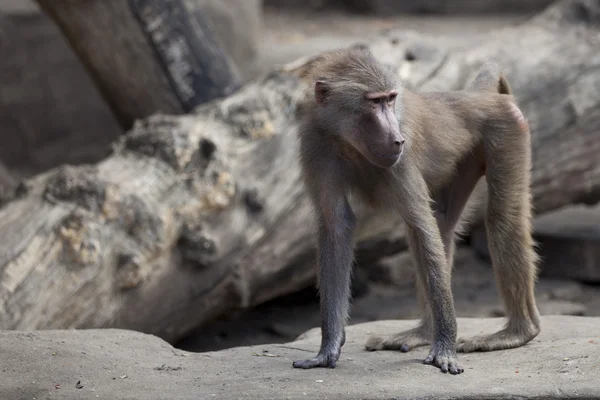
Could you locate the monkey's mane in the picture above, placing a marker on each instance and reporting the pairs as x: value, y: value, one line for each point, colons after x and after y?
x: 354, y: 66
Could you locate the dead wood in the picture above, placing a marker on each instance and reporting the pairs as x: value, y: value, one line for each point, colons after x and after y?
x: 146, y: 56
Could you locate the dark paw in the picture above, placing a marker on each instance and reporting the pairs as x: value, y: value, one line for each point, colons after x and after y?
x: 322, y: 360
x: 444, y: 358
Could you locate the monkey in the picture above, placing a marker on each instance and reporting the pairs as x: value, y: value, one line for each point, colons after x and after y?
x: 420, y: 154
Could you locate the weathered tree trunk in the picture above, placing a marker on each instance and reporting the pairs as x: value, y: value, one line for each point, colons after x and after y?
x: 47, y: 101
x: 8, y: 183
x: 194, y: 216
x: 395, y: 7
x: 146, y: 56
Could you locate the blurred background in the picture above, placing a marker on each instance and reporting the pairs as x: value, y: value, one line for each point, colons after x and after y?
x: 75, y: 78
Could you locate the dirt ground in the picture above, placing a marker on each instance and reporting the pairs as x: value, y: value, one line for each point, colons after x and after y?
x: 75, y: 364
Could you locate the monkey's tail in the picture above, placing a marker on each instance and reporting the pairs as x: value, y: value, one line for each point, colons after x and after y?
x: 503, y: 85
x: 490, y: 79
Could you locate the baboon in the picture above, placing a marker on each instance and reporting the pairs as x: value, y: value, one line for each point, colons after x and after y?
x: 420, y: 154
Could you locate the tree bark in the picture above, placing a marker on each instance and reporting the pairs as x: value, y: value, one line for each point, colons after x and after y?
x: 47, y: 100
x: 198, y: 215
x: 394, y: 7
x: 146, y: 56
x: 8, y: 184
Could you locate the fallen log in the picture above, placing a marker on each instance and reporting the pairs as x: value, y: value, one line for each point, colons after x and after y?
x: 8, y: 183
x: 194, y: 216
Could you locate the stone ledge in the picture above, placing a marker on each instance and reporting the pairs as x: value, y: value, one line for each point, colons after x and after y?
x: 562, y: 362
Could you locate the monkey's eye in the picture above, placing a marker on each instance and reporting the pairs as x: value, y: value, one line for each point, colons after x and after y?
x: 376, y: 100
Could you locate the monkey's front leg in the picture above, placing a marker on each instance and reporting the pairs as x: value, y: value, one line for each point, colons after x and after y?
x: 334, y: 269
x: 425, y: 243
x: 431, y: 266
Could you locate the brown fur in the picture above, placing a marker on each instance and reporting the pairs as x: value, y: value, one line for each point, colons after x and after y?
x: 452, y: 139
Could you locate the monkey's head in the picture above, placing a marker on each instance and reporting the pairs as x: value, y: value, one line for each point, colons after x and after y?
x: 355, y: 99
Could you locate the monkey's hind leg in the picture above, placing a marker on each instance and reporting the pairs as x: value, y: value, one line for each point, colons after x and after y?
x: 405, y: 341
x: 508, y: 225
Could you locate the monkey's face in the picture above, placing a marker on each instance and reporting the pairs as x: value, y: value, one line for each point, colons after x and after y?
x: 372, y: 128
x: 367, y: 121
x: 377, y: 131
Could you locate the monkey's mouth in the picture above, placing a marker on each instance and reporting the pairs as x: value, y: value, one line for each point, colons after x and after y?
x: 388, y: 156
x: 385, y: 160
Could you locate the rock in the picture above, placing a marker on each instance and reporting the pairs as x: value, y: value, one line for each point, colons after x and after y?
x: 568, y: 239
x: 558, y: 307
x: 561, y: 290
x: 397, y: 270
x: 119, y: 364
x: 569, y: 243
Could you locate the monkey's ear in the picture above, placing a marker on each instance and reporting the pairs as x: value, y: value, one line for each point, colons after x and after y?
x: 321, y: 91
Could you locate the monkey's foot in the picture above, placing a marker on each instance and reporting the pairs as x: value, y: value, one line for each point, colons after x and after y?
x: 444, y: 357
x: 403, y: 341
x: 323, y: 360
x: 504, y: 339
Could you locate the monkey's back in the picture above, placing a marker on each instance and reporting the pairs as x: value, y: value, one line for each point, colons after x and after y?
x: 452, y: 129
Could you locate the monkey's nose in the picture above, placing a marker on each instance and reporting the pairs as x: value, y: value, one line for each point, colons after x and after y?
x: 400, y: 142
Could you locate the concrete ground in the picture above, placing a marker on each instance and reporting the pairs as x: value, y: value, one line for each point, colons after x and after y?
x: 560, y: 363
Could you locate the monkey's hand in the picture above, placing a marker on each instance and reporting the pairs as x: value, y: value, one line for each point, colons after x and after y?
x: 444, y: 357
x: 325, y: 359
